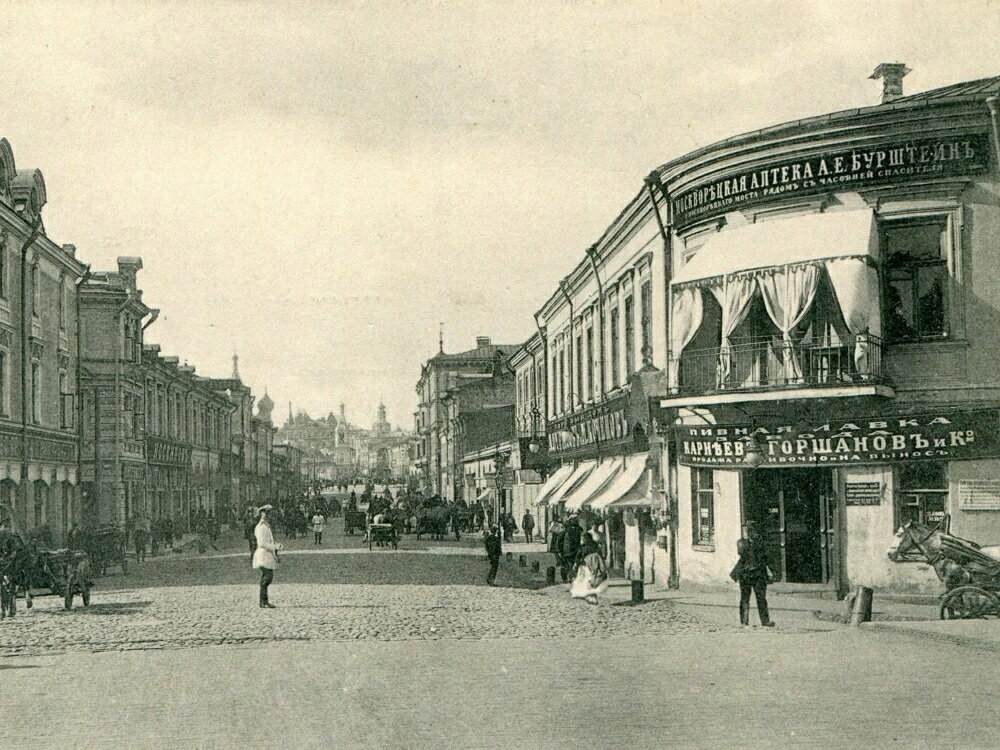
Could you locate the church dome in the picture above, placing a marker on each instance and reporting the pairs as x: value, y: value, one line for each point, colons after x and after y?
x: 266, y: 406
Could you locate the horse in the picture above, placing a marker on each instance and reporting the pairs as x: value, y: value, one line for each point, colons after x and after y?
x: 433, y: 520
x: 956, y: 561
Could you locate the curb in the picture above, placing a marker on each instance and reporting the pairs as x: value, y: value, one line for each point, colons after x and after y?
x: 932, y: 635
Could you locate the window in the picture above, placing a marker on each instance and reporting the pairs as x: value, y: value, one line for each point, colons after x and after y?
x: 562, y: 380
x: 579, y: 371
x: 629, y: 337
x: 66, y: 420
x: 645, y: 320
x: 590, y: 364
x: 921, y: 492
x: 62, y: 305
x: 36, y: 291
x: 916, y: 279
x: 702, y: 507
x: 36, y: 393
x: 128, y: 345
x: 4, y: 383
x: 615, y: 358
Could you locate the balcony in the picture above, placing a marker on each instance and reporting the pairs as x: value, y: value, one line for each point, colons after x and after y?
x: 770, y: 369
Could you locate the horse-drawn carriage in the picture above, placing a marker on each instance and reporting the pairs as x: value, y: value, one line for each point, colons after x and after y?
x: 106, y: 547
x: 354, y: 520
x: 970, y: 573
x: 383, y: 535
x: 34, y: 572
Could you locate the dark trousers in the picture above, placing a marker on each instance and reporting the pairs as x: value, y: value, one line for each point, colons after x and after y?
x: 252, y: 541
x: 318, y: 537
x: 759, y: 588
x: 494, y: 564
x: 266, y: 576
x: 527, y: 535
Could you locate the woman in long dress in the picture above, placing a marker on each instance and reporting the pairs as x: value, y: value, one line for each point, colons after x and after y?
x: 591, y: 578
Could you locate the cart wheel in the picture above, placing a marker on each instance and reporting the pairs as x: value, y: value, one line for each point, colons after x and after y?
x: 86, y: 596
x: 969, y: 603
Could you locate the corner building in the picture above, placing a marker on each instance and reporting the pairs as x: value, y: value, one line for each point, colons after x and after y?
x: 833, y: 302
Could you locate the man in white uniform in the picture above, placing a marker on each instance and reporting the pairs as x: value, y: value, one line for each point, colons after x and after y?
x: 265, y: 556
x: 318, y: 524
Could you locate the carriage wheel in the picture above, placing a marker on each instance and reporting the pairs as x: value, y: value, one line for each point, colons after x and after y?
x: 969, y: 603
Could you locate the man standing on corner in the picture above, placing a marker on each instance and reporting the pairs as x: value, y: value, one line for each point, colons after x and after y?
x: 528, y: 524
x: 265, y: 556
x: 494, y: 548
x: 752, y: 574
x: 318, y: 524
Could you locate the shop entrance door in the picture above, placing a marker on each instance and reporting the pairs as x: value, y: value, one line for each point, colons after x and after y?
x: 795, y: 510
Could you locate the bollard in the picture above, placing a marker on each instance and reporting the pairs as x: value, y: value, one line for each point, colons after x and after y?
x: 638, y: 592
x: 510, y: 556
x: 522, y: 561
x: 535, y: 566
x: 550, y: 576
x: 862, y: 606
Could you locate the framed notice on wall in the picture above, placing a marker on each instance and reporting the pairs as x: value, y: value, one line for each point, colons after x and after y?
x: 862, y: 493
x: 979, y: 494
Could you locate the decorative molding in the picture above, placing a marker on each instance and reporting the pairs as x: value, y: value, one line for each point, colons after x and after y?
x: 949, y: 191
x: 37, y: 349
x: 6, y: 337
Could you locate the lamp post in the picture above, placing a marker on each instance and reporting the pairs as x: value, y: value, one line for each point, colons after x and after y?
x: 500, y: 463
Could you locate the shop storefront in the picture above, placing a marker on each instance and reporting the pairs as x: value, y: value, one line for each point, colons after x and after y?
x: 828, y: 493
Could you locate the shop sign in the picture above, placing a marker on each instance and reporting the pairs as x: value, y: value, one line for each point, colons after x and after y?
x: 979, y: 494
x: 897, y: 161
x: 862, y: 493
x: 942, y: 436
x: 602, y: 423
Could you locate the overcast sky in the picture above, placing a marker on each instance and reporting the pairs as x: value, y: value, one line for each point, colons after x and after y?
x: 316, y: 185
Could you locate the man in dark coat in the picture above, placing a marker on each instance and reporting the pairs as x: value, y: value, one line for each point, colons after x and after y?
x: 570, y: 547
x: 493, y: 540
x: 528, y: 525
x: 752, y: 574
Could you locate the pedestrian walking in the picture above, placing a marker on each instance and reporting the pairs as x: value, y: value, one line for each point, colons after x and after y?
x: 570, y: 547
x: 528, y: 524
x: 591, y: 578
x: 752, y: 574
x: 494, y: 548
x: 509, y: 526
x: 318, y: 524
x: 265, y: 557
x: 140, y: 536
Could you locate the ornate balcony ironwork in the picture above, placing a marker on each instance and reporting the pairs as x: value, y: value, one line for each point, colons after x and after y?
x: 770, y: 364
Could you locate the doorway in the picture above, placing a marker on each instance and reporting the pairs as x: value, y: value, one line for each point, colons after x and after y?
x: 795, y: 510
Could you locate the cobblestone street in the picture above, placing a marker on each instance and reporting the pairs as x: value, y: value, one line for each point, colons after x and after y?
x: 334, y: 593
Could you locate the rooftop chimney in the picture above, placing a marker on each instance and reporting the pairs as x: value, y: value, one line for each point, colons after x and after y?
x: 482, y: 341
x: 892, y: 80
x: 128, y: 267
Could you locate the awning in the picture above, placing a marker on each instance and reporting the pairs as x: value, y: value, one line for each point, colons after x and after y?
x: 575, y: 480
x: 596, y: 481
x: 553, y: 483
x: 486, y: 495
x: 627, y: 485
x: 781, y: 242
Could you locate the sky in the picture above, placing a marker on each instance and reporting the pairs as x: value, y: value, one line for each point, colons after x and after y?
x: 316, y: 186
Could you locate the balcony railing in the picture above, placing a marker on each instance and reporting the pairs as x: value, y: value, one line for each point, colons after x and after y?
x: 773, y: 364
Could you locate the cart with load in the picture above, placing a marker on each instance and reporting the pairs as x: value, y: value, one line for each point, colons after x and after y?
x: 969, y: 572
x: 63, y: 572
x: 383, y: 535
x: 354, y: 520
x: 106, y: 547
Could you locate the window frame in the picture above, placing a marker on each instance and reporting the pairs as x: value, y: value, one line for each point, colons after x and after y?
x: 702, y: 496
x: 952, y: 218
x: 922, y: 494
x: 629, y: 307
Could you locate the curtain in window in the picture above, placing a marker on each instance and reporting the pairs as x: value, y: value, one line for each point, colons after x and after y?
x: 734, y: 299
x: 687, y: 309
x: 788, y: 294
x: 855, y: 283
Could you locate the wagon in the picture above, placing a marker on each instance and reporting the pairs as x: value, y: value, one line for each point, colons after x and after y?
x: 383, y: 535
x: 354, y: 520
x: 970, y: 573
x: 106, y: 547
x: 66, y: 573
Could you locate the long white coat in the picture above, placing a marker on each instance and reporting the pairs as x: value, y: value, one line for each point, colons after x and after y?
x: 264, y: 556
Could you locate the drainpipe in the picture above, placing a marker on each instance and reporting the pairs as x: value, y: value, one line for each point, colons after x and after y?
x: 154, y: 313
x: 563, y: 287
x: 669, y: 483
x: 992, y: 102
x: 79, y: 385
x: 36, y: 228
x: 592, y: 255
